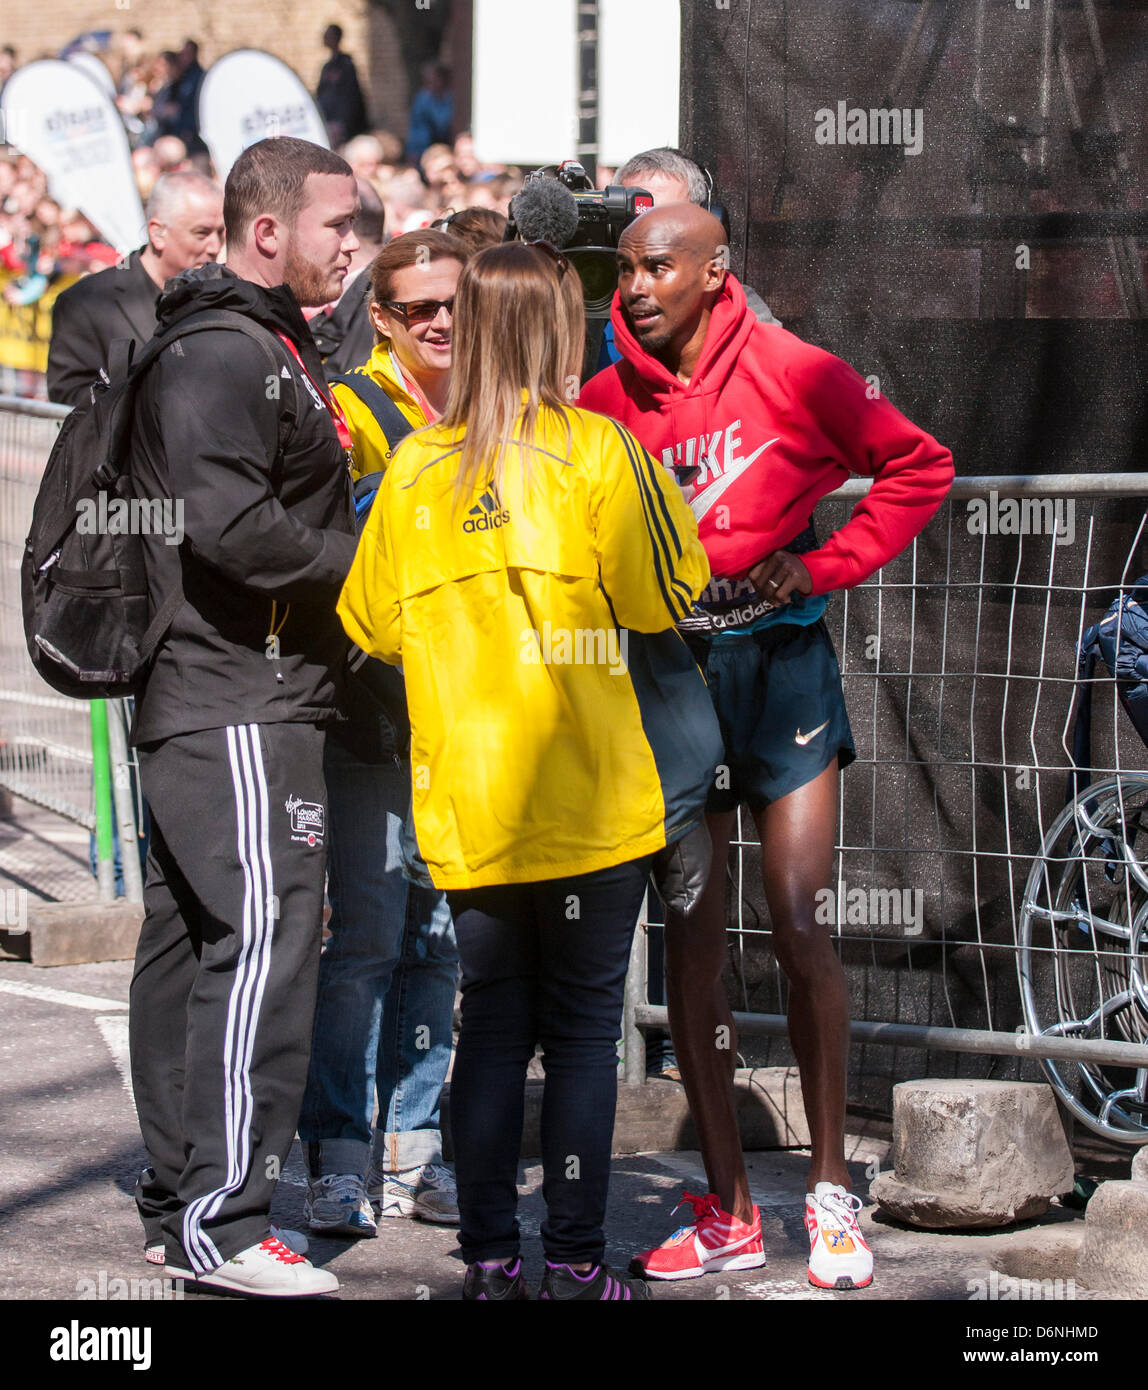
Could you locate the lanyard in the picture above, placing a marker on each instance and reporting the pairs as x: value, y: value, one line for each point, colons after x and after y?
x: 430, y: 414
x: 334, y: 409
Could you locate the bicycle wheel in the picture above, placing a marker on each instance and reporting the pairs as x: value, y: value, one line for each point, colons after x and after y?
x: 1083, y: 945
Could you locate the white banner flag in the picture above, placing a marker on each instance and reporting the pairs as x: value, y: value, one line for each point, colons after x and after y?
x: 64, y: 122
x: 97, y: 71
x: 248, y: 96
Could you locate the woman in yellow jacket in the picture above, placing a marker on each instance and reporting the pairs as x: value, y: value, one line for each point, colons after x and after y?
x: 525, y: 562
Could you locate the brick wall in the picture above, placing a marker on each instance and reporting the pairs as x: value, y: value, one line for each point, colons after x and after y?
x: 290, y: 29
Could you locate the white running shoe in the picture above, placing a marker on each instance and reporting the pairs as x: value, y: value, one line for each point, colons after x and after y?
x: 428, y: 1192
x: 293, y: 1240
x: 838, y: 1255
x: 266, y: 1270
x: 337, y: 1205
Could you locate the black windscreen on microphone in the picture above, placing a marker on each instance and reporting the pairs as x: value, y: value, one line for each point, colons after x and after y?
x: 545, y: 210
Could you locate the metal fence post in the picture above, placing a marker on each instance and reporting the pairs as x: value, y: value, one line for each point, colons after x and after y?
x: 633, y: 1039
x: 125, y: 805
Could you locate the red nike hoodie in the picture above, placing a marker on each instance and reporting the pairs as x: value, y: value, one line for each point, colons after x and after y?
x: 774, y: 424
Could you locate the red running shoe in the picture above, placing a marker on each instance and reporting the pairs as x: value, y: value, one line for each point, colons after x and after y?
x: 715, y: 1240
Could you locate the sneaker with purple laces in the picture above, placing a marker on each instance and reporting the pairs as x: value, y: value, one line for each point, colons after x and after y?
x: 602, y: 1284
x: 490, y: 1280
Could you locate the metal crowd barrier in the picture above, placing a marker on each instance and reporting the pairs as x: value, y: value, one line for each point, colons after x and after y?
x: 67, y: 756
x: 978, y: 906
x: 975, y: 914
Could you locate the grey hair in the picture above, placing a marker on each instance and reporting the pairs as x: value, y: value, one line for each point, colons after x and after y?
x: 670, y: 162
x: 171, y: 189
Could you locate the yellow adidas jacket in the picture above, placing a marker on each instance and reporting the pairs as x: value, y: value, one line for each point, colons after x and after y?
x: 370, y: 451
x: 549, y: 737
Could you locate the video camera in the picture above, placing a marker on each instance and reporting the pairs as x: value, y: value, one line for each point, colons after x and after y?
x: 603, y: 214
x: 559, y: 204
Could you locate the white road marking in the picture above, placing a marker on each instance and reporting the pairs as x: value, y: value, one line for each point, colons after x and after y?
x: 114, y: 1028
x: 95, y: 1002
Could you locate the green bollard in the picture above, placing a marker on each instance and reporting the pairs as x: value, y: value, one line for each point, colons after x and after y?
x: 102, y: 795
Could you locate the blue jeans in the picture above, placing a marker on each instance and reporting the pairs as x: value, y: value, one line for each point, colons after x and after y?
x: 387, y: 978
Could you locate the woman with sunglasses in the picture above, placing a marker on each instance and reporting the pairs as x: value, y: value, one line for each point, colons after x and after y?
x: 525, y: 562
x: 413, y: 281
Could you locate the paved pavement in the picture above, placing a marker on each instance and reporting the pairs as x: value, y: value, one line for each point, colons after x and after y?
x: 72, y: 1151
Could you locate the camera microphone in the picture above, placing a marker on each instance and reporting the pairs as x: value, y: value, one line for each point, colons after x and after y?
x: 545, y: 210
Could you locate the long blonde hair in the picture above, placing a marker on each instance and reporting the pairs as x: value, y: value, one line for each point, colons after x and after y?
x: 519, y: 327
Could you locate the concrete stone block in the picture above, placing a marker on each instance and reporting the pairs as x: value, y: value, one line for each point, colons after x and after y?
x: 1140, y: 1165
x: 75, y: 933
x: 1114, y: 1259
x: 973, y: 1154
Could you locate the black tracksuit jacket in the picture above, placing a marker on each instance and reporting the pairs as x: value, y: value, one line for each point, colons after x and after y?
x: 243, y: 445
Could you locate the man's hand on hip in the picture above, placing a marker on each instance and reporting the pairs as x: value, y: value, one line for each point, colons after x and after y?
x: 781, y: 575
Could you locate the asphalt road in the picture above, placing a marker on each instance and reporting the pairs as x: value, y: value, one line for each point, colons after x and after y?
x: 68, y: 1226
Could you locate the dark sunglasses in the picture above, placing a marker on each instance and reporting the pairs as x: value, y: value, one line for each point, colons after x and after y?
x: 561, y: 264
x: 419, y: 310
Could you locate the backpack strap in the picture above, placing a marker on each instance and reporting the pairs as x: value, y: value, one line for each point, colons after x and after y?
x: 120, y: 355
x: 231, y: 320
x: 392, y: 421
x: 227, y: 319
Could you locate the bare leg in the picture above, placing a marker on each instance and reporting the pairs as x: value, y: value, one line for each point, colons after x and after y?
x: 797, y: 835
x: 702, y: 1028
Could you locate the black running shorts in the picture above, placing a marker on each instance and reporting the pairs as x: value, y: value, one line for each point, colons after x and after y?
x: 781, y: 709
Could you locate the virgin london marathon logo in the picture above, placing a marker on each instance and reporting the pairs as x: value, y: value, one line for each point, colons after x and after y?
x: 307, y: 820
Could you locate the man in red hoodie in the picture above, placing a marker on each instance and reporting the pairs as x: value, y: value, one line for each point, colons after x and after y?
x: 759, y: 426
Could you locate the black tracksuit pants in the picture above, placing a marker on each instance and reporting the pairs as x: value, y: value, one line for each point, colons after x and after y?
x: 226, y: 971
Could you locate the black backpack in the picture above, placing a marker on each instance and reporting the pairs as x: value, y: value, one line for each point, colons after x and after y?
x: 84, y: 588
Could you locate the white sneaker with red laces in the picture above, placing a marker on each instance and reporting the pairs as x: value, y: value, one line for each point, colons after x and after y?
x: 267, y: 1270
x: 714, y: 1240
x: 293, y: 1240
x: 838, y: 1255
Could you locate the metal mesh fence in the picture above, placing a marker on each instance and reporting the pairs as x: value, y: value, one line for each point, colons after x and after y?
x: 967, y: 903
x: 46, y: 742
x: 45, y: 754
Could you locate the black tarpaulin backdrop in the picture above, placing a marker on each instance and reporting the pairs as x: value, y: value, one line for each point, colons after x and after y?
x: 994, y: 284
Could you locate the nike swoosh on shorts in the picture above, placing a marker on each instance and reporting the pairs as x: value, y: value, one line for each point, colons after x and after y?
x: 708, y: 496
x: 803, y: 739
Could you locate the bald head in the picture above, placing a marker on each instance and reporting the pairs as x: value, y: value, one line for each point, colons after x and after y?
x: 671, y: 268
x: 684, y: 227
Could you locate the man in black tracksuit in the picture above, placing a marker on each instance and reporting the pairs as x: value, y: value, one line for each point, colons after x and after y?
x: 238, y: 431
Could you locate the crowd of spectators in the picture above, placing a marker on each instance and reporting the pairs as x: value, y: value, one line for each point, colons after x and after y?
x: 434, y: 173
